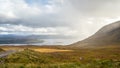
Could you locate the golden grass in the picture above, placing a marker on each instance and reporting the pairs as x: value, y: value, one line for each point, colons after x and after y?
x: 47, y: 50
x: 13, y: 48
x: 39, y: 49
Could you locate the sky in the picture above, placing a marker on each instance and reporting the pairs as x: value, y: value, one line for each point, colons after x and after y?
x: 75, y: 19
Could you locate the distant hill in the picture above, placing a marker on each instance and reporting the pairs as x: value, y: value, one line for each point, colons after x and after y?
x: 30, y: 39
x: 108, y: 35
x: 20, y: 39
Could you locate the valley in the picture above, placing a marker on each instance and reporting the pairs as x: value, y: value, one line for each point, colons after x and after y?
x: 61, y: 57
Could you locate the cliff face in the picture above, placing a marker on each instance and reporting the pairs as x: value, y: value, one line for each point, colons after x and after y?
x: 108, y: 35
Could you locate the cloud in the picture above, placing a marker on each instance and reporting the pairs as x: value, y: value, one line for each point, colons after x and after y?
x: 24, y: 30
x: 79, y: 18
x: 29, y: 14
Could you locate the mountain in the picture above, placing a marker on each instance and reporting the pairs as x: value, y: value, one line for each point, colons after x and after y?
x: 20, y: 39
x: 31, y: 39
x: 108, y: 35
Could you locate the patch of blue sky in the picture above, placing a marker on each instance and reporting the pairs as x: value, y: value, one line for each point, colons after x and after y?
x: 41, y: 2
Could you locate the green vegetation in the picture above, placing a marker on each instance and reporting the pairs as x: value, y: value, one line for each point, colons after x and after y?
x: 78, y: 58
x: 95, y: 64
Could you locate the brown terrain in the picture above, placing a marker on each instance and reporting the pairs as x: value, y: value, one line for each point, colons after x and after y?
x: 109, y: 35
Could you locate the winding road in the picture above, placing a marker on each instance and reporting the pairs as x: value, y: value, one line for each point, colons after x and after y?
x: 6, y: 53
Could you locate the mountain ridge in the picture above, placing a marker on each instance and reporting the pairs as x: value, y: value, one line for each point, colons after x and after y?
x: 107, y: 35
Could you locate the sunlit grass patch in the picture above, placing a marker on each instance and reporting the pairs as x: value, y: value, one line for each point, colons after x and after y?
x: 48, y: 50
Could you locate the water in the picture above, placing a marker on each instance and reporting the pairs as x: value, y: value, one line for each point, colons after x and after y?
x: 46, y: 42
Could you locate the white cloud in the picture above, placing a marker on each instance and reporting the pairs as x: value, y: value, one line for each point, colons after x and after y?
x: 80, y: 18
x: 21, y: 9
x: 3, y: 29
x: 20, y: 29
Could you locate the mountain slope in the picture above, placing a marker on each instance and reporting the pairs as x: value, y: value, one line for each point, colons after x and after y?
x: 108, y: 35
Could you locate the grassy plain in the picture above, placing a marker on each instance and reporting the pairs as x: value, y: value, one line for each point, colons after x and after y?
x: 61, y: 57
